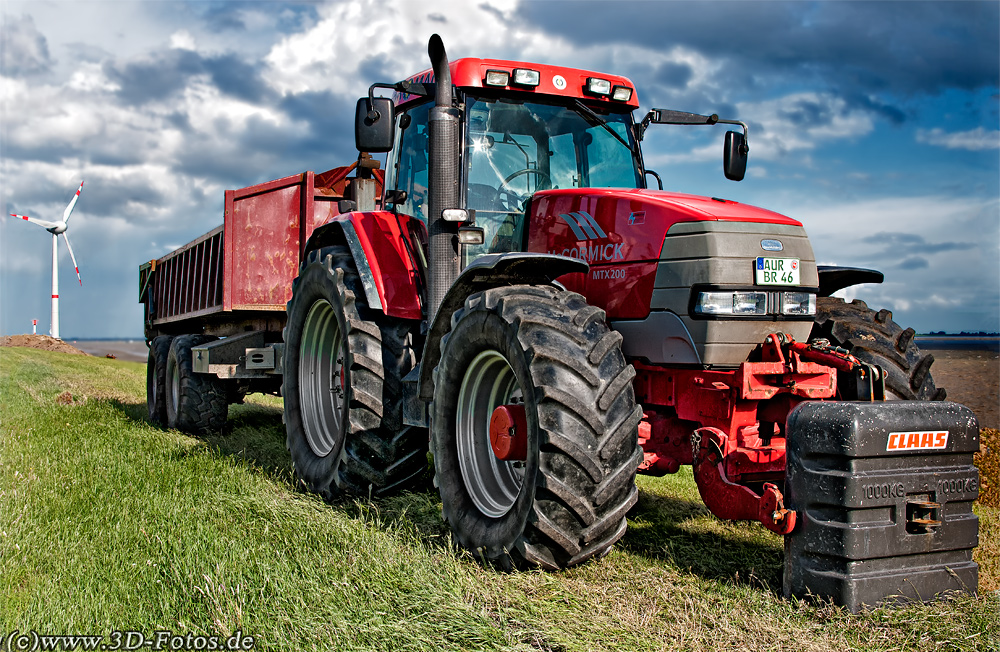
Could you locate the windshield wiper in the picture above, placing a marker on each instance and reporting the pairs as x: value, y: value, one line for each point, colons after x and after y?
x: 601, y: 121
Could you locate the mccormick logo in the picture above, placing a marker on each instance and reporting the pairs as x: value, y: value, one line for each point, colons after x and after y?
x: 911, y: 441
x: 584, y: 226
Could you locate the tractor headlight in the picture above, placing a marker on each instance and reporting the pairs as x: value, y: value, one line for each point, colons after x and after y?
x: 798, y: 303
x: 525, y: 77
x: 731, y: 303
x: 497, y: 78
x: 621, y: 93
x: 597, y: 86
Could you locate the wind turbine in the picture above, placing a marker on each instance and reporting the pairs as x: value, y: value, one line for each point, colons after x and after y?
x: 57, y: 229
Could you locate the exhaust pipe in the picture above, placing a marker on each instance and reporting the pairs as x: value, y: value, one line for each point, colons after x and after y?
x: 443, y: 180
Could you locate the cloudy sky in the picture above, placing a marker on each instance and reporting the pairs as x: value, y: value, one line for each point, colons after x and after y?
x: 873, y: 123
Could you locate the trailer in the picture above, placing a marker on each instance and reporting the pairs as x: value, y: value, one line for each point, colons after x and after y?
x: 222, y: 296
x: 513, y: 301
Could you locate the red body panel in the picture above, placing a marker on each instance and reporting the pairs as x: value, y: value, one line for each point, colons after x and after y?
x: 470, y: 73
x: 620, y: 233
x: 385, y: 239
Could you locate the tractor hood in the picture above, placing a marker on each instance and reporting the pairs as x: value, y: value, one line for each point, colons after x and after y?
x: 612, y: 225
x: 621, y: 234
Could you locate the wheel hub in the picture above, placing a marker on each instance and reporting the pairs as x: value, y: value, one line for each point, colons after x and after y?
x: 509, y: 433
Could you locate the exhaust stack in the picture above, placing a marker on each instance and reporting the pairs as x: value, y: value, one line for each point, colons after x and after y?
x: 443, y: 179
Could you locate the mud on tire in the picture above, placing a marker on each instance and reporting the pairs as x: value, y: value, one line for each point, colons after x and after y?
x: 873, y: 337
x: 567, y: 501
x: 342, y: 385
x: 195, y: 403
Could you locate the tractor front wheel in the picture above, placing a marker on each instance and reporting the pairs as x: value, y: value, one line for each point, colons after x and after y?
x: 559, y: 496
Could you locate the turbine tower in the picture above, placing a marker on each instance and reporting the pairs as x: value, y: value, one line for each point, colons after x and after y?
x: 57, y: 229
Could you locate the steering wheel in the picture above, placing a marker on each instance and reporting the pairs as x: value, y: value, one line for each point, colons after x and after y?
x: 518, y: 200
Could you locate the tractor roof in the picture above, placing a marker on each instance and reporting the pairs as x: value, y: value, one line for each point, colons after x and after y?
x: 552, y: 80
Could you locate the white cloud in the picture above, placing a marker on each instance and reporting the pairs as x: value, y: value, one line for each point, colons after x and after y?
x: 182, y: 40
x: 977, y: 139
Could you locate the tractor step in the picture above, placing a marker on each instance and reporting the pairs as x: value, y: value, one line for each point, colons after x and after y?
x: 884, y: 495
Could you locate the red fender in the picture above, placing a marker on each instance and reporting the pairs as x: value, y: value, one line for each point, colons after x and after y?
x: 384, y: 246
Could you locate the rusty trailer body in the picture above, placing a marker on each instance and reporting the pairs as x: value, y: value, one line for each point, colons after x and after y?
x: 239, y: 275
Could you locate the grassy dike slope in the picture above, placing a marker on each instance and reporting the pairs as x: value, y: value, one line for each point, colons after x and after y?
x: 109, y: 523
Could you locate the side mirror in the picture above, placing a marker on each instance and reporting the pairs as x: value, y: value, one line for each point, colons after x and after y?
x: 373, y: 127
x: 734, y: 156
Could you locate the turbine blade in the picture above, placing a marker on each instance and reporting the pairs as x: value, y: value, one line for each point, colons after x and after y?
x: 72, y: 203
x: 33, y: 220
x: 75, y: 266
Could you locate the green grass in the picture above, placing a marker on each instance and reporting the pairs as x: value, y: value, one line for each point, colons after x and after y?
x: 109, y: 523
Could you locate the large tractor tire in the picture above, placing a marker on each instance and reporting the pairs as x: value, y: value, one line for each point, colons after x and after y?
x: 873, y: 337
x: 342, y: 385
x: 195, y: 403
x: 550, y: 352
x: 156, y: 379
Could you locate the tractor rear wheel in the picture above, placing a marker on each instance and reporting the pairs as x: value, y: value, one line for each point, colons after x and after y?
x: 156, y: 379
x: 342, y: 385
x: 195, y: 403
x: 873, y: 337
x: 547, y: 354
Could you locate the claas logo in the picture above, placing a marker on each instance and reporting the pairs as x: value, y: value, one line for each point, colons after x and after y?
x: 909, y: 441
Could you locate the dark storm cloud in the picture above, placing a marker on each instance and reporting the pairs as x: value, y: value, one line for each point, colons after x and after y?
x: 165, y: 72
x: 913, y: 47
x: 155, y: 78
x: 330, y: 136
x: 101, y: 196
x: 375, y: 68
x: 234, y: 76
x: 676, y: 75
x: 227, y: 15
x: 25, y: 51
x: 898, y: 245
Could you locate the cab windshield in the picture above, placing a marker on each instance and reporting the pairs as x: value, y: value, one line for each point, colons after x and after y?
x: 514, y: 149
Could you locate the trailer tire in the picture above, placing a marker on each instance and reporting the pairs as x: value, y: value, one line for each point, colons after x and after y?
x: 156, y: 379
x: 566, y: 502
x: 873, y: 337
x: 195, y: 403
x: 343, y: 414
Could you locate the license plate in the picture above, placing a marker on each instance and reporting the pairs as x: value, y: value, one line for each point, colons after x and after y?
x: 776, y: 271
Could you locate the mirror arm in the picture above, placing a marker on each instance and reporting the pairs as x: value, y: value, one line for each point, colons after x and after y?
x: 746, y: 133
x: 374, y: 115
x: 659, y: 181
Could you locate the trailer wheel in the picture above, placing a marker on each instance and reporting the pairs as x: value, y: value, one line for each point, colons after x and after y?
x: 342, y: 385
x: 873, y: 337
x: 551, y: 354
x: 156, y: 379
x: 195, y: 403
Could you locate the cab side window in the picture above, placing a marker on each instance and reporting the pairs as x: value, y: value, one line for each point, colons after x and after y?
x: 411, y: 165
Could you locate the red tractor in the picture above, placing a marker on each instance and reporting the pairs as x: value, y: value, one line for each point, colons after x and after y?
x: 510, y: 290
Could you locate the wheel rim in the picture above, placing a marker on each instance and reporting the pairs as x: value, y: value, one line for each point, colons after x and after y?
x: 175, y: 388
x: 321, y: 379
x: 492, y: 484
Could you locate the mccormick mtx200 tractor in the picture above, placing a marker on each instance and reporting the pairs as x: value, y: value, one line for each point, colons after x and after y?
x: 511, y: 291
